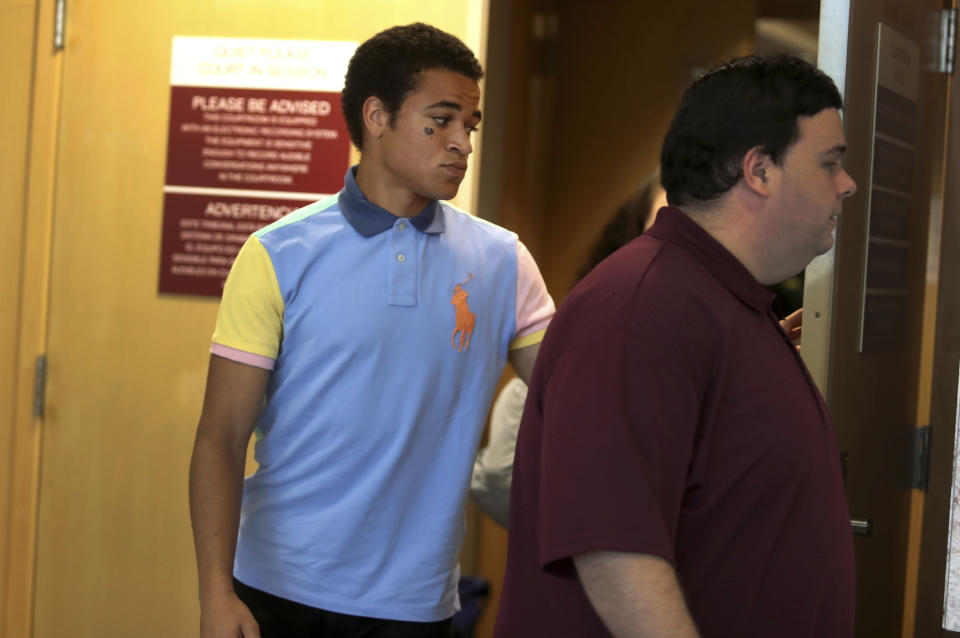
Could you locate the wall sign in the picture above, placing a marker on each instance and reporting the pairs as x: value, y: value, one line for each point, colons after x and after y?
x: 255, y: 132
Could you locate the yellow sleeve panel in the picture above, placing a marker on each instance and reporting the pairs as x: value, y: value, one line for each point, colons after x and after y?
x: 251, y: 310
x: 527, y: 340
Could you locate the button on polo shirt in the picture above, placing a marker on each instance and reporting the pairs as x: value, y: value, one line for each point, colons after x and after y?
x: 405, y: 246
x: 403, y: 276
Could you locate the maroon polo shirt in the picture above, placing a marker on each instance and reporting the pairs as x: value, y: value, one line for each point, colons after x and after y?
x: 670, y: 415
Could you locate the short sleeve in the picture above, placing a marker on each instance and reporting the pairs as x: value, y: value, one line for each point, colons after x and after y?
x: 535, y: 306
x: 620, y: 411
x: 250, y: 322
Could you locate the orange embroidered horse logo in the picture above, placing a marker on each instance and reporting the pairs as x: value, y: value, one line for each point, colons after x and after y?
x: 464, y: 319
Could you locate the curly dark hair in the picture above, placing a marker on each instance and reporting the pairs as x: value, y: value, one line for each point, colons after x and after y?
x: 386, y: 66
x: 627, y: 223
x: 747, y: 102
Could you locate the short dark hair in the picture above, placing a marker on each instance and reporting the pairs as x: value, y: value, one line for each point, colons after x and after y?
x: 626, y: 224
x: 386, y: 66
x: 747, y: 102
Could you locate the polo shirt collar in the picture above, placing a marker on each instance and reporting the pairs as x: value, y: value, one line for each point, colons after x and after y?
x: 676, y: 226
x: 368, y: 219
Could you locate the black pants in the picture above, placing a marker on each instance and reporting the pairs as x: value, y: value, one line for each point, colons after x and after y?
x: 282, y: 618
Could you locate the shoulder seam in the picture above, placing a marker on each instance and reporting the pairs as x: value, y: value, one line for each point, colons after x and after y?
x: 298, y: 215
x: 483, y: 223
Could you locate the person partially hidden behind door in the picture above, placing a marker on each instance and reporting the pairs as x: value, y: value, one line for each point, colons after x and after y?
x: 677, y: 472
x: 493, y: 468
x: 333, y: 342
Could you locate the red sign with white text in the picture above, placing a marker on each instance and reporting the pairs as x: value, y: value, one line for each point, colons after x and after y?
x: 255, y: 132
x: 232, y: 155
x: 202, y: 235
x: 256, y: 139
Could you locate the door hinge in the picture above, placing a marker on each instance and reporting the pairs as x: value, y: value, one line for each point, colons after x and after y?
x: 59, y: 25
x: 940, y: 41
x: 921, y: 458
x: 39, y: 385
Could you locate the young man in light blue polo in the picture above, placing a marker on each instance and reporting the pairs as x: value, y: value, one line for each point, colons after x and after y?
x: 362, y: 337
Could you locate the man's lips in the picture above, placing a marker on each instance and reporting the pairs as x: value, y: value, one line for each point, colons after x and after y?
x: 457, y: 168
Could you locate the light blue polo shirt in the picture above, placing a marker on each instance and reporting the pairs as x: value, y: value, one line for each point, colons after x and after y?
x: 374, y: 407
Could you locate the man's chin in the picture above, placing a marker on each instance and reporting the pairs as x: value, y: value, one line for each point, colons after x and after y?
x: 448, y: 193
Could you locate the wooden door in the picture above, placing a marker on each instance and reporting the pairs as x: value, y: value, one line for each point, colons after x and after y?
x: 16, y: 49
x: 939, y: 508
x: 875, y: 386
x: 114, y: 552
x: 940, y: 498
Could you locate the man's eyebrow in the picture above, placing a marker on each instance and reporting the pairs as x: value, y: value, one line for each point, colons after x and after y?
x: 839, y: 149
x: 446, y: 104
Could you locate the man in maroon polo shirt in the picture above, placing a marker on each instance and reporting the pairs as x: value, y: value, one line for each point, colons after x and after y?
x: 676, y: 472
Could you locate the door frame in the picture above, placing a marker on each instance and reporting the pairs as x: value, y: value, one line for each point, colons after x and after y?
x: 843, y: 46
x: 33, y: 306
x: 943, y: 404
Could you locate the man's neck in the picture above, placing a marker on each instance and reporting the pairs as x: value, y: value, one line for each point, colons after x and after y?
x: 731, y: 225
x: 381, y: 190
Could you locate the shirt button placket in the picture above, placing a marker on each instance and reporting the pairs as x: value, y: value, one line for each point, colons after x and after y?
x: 403, y: 266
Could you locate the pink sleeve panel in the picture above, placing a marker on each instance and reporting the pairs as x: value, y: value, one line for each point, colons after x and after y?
x: 248, y: 358
x: 535, y: 306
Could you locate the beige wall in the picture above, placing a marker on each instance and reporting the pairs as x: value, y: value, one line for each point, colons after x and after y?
x: 72, y: 112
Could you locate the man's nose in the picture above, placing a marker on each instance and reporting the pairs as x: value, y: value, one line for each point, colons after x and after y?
x: 459, y: 143
x: 847, y: 186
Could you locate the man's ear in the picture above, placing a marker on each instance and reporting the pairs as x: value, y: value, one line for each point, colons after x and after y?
x: 375, y: 117
x: 757, y: 166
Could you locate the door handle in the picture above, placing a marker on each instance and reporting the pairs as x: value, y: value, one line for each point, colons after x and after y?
x: 861, y: 527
